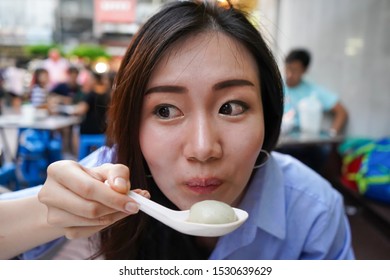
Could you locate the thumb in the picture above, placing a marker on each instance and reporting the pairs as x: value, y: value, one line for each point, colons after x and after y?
x: 120, y: 185
x: 116, y: 176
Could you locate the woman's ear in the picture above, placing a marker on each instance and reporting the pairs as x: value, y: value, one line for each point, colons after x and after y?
x: 261, y: 159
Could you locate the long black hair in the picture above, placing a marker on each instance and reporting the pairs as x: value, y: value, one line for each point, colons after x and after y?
x: 174, y: 21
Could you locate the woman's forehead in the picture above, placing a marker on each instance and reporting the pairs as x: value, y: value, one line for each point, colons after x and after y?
x: 209, y: 52
x: 203, y: 41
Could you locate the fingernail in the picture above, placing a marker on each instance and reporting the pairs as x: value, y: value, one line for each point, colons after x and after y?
x: 131, y: 207
x: 120, y: 182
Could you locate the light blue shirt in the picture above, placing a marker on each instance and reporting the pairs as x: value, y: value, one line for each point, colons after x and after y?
x: 294, y: 95
x: 293, y: 214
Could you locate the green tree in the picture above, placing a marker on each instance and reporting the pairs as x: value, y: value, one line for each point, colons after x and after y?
x: 92, y: 52
x: 39, y: 50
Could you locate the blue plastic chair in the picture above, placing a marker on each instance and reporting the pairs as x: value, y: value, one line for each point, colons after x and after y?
x: 89, y: 143
x: 36, y: 150
x: 8, y: 175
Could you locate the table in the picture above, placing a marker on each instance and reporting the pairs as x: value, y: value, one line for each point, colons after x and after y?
x: 313, y: 149
x: 51, y: 123
x: 296, y: 138
x: 46, y: 123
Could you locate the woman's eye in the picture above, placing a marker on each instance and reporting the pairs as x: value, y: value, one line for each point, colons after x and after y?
x: 167, y: 112
x: 233, y: 108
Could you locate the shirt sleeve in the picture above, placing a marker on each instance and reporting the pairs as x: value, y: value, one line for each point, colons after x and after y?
x: 44, y: 251
x: 330, y: 235
x: 20, y: 194
x: 60, y: 89
x: 327, y: 98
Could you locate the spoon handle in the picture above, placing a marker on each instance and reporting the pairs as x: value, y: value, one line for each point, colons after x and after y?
x: 153, y: 209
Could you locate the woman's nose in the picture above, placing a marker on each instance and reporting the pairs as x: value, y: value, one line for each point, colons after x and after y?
x: 203, y: 141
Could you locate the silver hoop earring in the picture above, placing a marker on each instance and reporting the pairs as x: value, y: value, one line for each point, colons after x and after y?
x: 263, y: 161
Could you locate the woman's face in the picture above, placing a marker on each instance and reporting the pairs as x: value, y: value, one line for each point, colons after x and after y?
x: 202, y: 122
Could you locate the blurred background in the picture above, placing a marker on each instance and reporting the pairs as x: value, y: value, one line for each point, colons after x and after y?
x: 349, y: 41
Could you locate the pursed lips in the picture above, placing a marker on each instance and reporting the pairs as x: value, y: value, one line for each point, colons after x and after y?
x: 203, y: 185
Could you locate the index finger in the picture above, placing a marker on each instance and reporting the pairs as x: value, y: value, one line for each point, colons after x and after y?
x: 89, y: 184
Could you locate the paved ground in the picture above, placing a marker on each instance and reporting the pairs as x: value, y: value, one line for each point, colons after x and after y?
x: 369, y: 239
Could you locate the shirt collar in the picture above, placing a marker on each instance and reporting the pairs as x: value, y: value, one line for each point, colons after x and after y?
x: 265, y: 199
x: 265, y: 203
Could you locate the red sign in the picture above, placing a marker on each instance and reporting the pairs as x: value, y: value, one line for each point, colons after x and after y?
x: 117, y: 11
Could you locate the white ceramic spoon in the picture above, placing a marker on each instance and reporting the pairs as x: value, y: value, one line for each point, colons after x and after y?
x: 178, y: 219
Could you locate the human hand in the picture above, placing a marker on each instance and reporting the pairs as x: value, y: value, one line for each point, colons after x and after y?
x: 81, y: 203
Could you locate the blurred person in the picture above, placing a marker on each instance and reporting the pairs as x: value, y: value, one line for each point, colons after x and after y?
x: 15, y: 79
x: 68, y: 92
x: 297, y: 88
x: 91, y: 106
x: 197, y: 80
x: 85, y: 75
x: 39, y: 88
x: 56, y: 66
x: 94, y: 106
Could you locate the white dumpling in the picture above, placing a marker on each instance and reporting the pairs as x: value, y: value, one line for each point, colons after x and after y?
x: 212, y: 212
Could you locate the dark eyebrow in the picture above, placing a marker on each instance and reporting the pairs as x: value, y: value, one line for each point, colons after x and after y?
x: 232, y: 83
x: 218, y: 86
x: 173, y: 89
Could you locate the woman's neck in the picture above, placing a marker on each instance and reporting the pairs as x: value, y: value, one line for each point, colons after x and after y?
x: 207, y: 243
